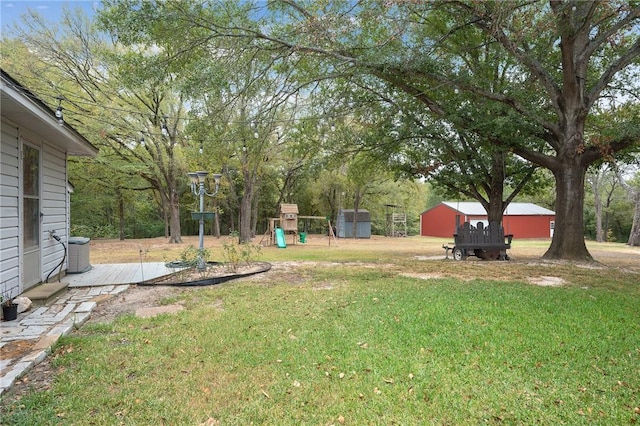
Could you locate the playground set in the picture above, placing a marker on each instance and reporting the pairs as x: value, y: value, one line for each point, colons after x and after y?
x: 289, y: 219
x: 287, y: 223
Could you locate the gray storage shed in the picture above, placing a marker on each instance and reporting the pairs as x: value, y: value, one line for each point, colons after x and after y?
x: 345, y: 223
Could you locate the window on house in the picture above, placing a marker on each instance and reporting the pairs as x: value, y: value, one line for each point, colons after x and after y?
x: 31, y: 196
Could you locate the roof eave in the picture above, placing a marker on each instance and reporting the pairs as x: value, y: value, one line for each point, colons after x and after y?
x: 25, y: 110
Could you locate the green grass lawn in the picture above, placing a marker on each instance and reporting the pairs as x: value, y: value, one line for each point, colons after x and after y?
x: 361, y: 344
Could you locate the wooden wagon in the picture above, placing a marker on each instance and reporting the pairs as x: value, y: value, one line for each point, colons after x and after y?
x: 484, y: 242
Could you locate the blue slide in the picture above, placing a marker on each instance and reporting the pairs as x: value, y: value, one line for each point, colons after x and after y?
x: 280, y: 238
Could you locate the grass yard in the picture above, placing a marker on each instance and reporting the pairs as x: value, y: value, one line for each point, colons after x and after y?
x: 363, y: 334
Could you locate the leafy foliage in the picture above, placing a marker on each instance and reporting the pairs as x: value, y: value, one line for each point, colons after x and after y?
x: 343, y: 97
x: 235, y: 253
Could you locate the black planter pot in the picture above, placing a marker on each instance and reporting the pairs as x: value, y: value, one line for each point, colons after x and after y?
x: 10, y: 312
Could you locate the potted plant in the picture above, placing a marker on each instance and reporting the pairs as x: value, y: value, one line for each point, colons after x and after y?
x: 9, y: 308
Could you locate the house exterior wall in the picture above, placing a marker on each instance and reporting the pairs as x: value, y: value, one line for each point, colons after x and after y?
x: 53, y: 206
x: 9, y: 225
x: 440, y: 221
x: 29, y: 255
x: 54, y: 209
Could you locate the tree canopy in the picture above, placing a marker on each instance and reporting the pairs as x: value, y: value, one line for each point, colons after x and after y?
x: 478, y: 96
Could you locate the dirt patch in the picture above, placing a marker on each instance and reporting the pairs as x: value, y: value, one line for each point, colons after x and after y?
x: 18, y: 348
x: 136, y: 298
x: 423, y: 276
x: 154, y: 311
x: 439, y: 257
x: 547, y: 281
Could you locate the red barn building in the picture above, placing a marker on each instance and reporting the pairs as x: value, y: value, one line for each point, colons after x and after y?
x: 523, y: 220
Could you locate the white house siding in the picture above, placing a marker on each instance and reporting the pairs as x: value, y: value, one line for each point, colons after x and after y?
x: 53, y: 199
x: 54, y: 208
x: 27, y: 120
x: 9, y: 196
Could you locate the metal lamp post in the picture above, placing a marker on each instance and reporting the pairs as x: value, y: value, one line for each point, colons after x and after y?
x: 197, y: 188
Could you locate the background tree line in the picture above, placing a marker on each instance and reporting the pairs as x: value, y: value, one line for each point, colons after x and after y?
x: 356, y: 104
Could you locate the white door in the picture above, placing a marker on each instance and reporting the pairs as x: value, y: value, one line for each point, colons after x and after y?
x: 31, y: 263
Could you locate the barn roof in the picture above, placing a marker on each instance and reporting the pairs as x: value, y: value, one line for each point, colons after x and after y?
x: 472, y: 208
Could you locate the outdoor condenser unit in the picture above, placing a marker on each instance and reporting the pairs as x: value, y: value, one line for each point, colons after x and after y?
x: 79, y: 255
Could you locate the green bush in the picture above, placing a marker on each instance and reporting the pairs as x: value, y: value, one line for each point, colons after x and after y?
x: 235, y: 253
x: 191, y: 255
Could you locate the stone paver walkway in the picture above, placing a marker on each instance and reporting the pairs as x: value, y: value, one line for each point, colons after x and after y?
x: 27, y: 340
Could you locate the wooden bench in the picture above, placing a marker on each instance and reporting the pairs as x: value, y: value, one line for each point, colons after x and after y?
x: 484, y: 242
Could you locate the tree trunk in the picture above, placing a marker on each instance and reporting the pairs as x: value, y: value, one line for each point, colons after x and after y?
x: 216, y: 222
x: 165, y: 218
x: 174, y: 203
x: 332, y: 195
x: 254, y: 217
x: 495, y: 211
x: 232, y: 221
x: 568, y: 237
x: 595, y: 182
x: 634, y: 195
x: 495, y: 208
x: 356, y: 207
x: 163, y: 202
x: 232, y: 199
x: 163, y: 211
x: 121, y: 219
x: 634, y: 235
x: 598, y: 211
x: 245, y: 218
x: 245, y: 209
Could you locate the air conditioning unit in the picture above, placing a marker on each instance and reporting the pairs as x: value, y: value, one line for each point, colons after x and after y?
x: 79, y: 250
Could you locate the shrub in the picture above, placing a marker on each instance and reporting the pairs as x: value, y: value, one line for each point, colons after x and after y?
x: 235, y: 253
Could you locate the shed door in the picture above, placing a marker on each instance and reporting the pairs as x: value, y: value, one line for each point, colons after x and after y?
x: 30, y: 216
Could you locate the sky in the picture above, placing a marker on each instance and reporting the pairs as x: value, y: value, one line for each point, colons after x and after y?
x: 11, y: 10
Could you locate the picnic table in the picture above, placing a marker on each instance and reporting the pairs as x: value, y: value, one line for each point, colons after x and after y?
x: 489, y: 243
